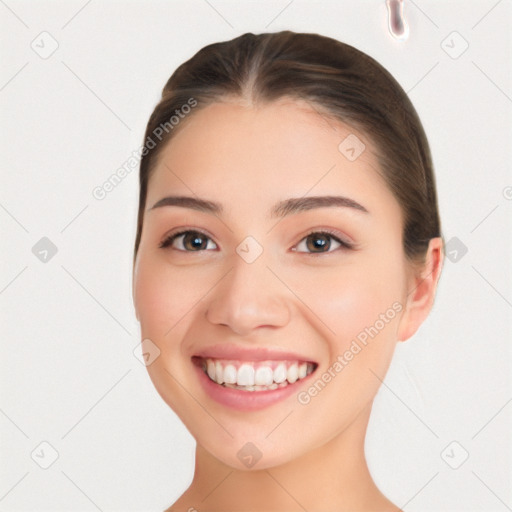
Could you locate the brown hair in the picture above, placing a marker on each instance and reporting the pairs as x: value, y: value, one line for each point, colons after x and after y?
x: 341, y: 81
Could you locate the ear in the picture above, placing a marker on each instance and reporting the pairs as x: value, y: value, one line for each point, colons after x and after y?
x: 421, y: 290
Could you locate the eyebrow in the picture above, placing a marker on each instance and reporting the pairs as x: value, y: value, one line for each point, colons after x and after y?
x: 282, y: 209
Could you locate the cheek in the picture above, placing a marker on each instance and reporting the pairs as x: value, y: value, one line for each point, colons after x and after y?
x: 360, y: 304
x: 349, y: 300
x: 163, y: 296
x: 151, y: 301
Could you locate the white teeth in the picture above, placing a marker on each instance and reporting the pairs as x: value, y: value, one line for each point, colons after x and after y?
x: 256, y: 376
x: 293, y: 373
x: 257, y: 388
x: 211, y: 369
x: 280, y: 373
x: 230, y: 374
x: 264, y: 376
x: 245, y: 376
x: 219, y: 373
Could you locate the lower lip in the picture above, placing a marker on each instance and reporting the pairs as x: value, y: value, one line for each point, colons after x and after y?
x: 246, y: 400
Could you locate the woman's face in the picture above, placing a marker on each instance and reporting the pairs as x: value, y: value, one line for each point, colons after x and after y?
x: 257, y: 293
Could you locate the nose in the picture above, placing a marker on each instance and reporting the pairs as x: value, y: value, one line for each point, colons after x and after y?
x: 249, y: 297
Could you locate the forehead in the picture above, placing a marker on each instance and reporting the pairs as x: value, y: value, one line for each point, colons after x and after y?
x: 288, y: 130
x: 236, y: 151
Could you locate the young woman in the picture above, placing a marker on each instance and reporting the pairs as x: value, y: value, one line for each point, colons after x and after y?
x: 288, y: 236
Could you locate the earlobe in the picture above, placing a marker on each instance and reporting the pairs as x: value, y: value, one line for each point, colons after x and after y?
x: 422, y: 290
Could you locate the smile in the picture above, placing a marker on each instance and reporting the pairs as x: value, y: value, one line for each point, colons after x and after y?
x: 255, y: 376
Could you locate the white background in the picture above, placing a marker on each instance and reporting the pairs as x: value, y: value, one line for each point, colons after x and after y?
x: 68, y: 373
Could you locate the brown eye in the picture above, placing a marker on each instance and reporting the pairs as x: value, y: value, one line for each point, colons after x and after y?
x: 321, y: 242
x: 190, y: 241
x: 318, y: 243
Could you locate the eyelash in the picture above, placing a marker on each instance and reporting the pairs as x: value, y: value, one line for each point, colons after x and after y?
x: 332, y: 234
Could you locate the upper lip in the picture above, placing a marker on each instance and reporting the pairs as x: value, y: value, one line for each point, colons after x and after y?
x: 233, y: 352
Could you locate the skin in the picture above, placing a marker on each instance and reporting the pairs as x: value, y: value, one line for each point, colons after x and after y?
x: 248, y: 158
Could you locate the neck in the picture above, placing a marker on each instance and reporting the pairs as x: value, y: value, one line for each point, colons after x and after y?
x: 334, y: 477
